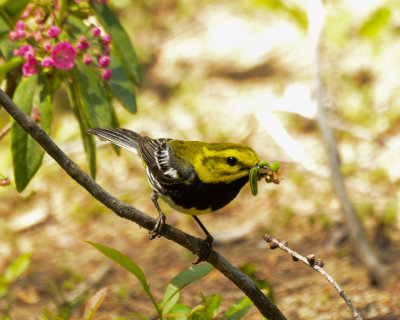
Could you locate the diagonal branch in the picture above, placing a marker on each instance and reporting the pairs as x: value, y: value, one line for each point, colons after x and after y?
x: 243, y: 282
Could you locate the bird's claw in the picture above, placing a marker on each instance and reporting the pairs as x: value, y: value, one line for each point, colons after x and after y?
x: 156, y: 231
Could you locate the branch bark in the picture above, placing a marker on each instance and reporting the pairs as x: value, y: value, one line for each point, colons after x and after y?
x: 122, y: 209
x: 377, y: 273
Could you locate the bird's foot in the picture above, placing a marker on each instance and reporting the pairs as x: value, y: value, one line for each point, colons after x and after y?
x: 156, y: 231
x: 205, y: 249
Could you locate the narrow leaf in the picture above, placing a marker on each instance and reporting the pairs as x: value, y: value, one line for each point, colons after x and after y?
x: 239, y: 309
x: 180, y: 281
x: 375, y: 23
x: 120, y: 40
x: 32, y: 95
x: 9, y: 65
x: 128, y: 265
x: 17, y: 267
x: 14, y: 7
x: 92, y: 96
x: 138, y: 315
x: 123, y: 261
x: 88, y: 141
x: 120, y: 86
x: 76, y: 24
x: 178, y: 312
x: 94, y: 303
x: 212, y: 305
x: 198, y: 313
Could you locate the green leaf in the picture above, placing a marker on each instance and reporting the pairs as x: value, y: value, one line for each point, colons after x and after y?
x: 239, y: 309
x: 92, y: 96
x: 17, y: 267
x: 31, y: 95
x: 138, y: 315
x: 88, y: 141
x: 120, y: 86
x: 76, y: 24
x: 171, y: 294
x: 297, y: 14
x: 3, y: 2
x: 124, y: 261
x: 15, y: 7
x: 128, y: 265
x: 94, y: 303
x: 212, y: 303
x: 119, y: 39
x: 275, y: 167
x: 375, y: 23
x: 9, y: 65
x: 198, y: 313
x: 4, y: 26
x: 178, y: 312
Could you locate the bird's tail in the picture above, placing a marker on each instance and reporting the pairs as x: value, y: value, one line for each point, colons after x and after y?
x: 122, y: 137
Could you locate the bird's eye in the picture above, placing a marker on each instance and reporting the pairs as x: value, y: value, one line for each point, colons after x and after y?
x: 231, y: 161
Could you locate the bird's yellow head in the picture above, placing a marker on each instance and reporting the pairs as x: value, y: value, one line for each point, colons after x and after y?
x: 217, y: 162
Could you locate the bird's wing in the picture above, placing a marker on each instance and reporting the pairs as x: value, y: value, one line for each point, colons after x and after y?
x: 157, y: 154
x: 122, y: 137
x: 162, y: 162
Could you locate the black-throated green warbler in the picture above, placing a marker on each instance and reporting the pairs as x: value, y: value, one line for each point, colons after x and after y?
x: 192, y: 177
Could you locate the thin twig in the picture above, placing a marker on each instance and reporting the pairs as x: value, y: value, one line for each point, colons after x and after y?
x: 377, y: 272
x: 5, y: 130
x: 317, y: 265
x: 122, y: 209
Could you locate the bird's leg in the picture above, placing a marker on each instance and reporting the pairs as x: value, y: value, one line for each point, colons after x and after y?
x: 206, y: 247
x: 156, y: 231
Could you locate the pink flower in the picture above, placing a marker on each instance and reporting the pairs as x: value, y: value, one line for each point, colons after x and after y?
x: 38, y: 15
x: 12, y: 35
x: 37, y: 36
x: 82, y: 44
x: 20, y: 34
x: 106, y: 75
x: 104, y: 61
x: 47, y: 62
x: 87, y: 59
x: 47, y: 46
x: 54, y: 32
x: 30, y: 67
x: 25, y: 14
x: 27, y: 52
x: 20, y: 25
x: 16, y: 52
x: 96, y: 31
x: 106, y: 39
x: 29, y: 55
x: 63, y: 55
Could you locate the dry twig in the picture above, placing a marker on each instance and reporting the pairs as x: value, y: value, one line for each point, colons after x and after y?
x: 317, y: 265
x: 5, y: 130
x: 377, y: 272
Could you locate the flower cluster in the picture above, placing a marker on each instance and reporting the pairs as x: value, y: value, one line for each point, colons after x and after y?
x: 43, y: 46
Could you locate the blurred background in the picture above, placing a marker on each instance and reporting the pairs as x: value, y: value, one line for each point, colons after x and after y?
x: 241, y: 72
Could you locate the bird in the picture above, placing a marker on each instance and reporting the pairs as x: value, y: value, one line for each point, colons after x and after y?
x: 192, y: 177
